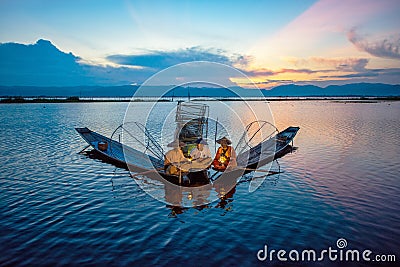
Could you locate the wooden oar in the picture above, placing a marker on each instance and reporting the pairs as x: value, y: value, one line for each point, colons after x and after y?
x: 257, y: 170
x: 147, y: 172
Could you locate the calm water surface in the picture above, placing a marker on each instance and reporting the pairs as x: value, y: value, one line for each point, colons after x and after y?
x: 59, y: 207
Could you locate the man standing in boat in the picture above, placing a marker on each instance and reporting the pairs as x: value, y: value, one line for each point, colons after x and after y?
x: 174, y: 159
x: 225, y: 156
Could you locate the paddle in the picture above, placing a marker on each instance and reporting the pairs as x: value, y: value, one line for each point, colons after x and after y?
x: 146, y: 172
x: 259, y: 170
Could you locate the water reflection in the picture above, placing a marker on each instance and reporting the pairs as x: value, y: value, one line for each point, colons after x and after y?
x: 200, y: 197
x: 224, y: 202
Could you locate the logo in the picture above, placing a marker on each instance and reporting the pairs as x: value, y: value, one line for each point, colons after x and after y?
x: 338, y: 253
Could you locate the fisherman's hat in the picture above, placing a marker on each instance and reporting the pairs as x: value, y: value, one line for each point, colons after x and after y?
x: 224, y: 140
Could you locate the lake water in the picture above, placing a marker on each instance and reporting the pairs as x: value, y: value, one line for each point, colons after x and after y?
x: 59, y: 207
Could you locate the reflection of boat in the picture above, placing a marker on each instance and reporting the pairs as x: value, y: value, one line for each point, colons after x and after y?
x: 260, y: 144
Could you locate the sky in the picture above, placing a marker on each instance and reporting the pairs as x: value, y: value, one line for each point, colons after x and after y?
x: 318, y: 42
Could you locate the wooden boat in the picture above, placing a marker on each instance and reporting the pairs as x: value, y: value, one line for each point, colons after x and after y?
x: 124, y: 156
x: 129, y: 158
x: 269, y: 150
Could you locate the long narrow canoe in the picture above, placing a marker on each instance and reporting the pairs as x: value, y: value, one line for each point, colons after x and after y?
x: 115, y: 151
x: 128, y: 157
x: 268, y: 150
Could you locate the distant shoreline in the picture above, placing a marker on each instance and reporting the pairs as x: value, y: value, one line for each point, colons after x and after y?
x: 340, y: 99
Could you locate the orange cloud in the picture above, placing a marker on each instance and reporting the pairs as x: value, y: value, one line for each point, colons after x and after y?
x: 329, y: 64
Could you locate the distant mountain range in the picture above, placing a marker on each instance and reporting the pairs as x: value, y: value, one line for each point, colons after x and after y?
x: 355, y: 89
x: 292, y: 90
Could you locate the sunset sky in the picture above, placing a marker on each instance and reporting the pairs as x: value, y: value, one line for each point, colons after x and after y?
x: 273, y: 42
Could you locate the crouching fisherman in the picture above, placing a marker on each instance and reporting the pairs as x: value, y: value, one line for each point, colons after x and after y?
x: 225, y: 156
x: 201, y: 161
x: 201, y: 152
x: 174, y: 159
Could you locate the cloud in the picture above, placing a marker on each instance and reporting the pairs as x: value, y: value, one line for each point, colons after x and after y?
x: 274, y: 82
x: 319, y: 29
x: 39, y: 63
x: 242, y: 61
x: 339, y: 70
x: 352, y: 75
x: 258, y: 72
x: 43, y: 64
x: 386, y: 48
x: 308, y: 71
x: 163, y: 59
x: 332, y: 64
x: 368, y: 73
x: 323, y: 71
x: 268, y: 72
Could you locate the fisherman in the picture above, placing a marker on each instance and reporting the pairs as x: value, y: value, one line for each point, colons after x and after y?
x: 175, y: 158
x: 225, y: 156
x: 201, y: 151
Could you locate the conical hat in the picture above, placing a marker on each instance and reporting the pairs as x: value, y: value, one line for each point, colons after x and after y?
x: 176, y: 143
x: 224, y: 140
